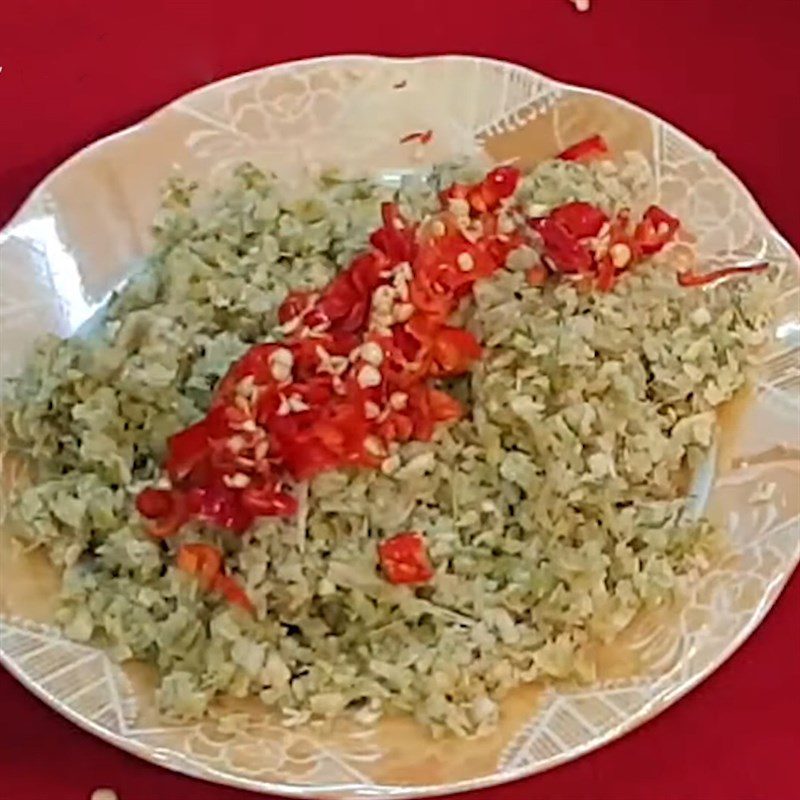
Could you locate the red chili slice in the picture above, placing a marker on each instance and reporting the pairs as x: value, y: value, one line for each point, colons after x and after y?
x: 704, y: 278
x: 404, y: 559
x: 187, y: 449
x: 232, y: 592
x: 154, y: 503
x: 269, y: 503
x: 582, y: 220
x: 594, y: 147
x: 656, y: 229
x: 201, y: 560
x: 564, y: 251
x: 453, y: 350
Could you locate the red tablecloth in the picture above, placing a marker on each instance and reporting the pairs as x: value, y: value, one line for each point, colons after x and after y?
x: 726, y: 71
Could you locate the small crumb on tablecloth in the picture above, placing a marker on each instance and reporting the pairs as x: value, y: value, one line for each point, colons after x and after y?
x: 104, y: 794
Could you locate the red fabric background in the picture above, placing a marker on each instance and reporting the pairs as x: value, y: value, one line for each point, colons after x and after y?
x: 726, y: 71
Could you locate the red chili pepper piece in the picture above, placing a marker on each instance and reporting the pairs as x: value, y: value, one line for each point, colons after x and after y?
x: 232, y: 592
x: 187, y: 449
x: 582, y: 220
x: 656, y: 229
x: 154, y: 503
x: 586, y: 150
x: 404, y: 559
x: 423, y: 137
x: 201, y: 560
x: 704, y: 278
x: 562, y: 248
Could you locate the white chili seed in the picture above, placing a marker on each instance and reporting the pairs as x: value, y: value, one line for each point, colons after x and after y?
x: 374, y: 446
x: 404, y: 269
x: 383, y: 297
x: 282, y: 356
x: 398, y: 400
x: 390, y: 465
x: 466, y: 263
x: 403, y: 312
x: 236, y: 481
x: 104, y: 793
x: 338, y: 364
x: 292, y: 325
x: 236, y: 444
x: 620, y: 255
x: 505, y: 224
x: 261, y: 450
x: 438, y: 228
x: 371, y: 410
x: 297, y: 404
x: 662, y: 229
x: 245, y: 385
x: 368, y: 377
x: 242, y: 404
x: 537, y: 209
x: 280, y: 373
x: 372, y: 353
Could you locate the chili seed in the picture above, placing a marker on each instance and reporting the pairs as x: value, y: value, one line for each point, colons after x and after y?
x: 390, y: 464
x: 368, y: 376
x: 374, y: 446
x: 297, y: 404
x: 245, y: 385
x: 236, y: 481
x: 466, y: 263
x: 403, y: 312
x: 371, y: 410
x: 236, y: 444
x: 372, y: 353
x: 620, y: 255
x: 398, y: 400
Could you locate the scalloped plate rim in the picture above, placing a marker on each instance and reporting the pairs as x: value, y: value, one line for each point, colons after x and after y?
x: 658, y: 705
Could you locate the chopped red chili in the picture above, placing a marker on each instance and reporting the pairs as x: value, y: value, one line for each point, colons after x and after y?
x: 354, y: 374
x: 655, y: 230
x: 404, y: 559
x: 704, y: 278
x: 586, y: 150
x: 352, y: 377
x: 578, y: 238
x: 423, y: 137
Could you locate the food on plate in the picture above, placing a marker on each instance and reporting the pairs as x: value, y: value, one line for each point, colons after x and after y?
x: 376, y: 450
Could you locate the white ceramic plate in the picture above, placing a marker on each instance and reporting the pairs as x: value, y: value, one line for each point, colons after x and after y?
x: 86, y: 226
